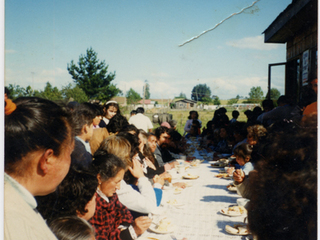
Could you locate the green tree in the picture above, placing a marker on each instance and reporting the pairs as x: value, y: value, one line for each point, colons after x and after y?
x: 75, y: 93
x: 274, y: 94
x: 216, y: 101
x: 233, y: 100
x: 147, y: 91
x: 182, y: 95
x: 49, y: 92
x: 255, y: 95
x: 200, y: 91
x: 206, y: 100
x: 92, y: 77
x: 132, y: 96
x: 17, y: 91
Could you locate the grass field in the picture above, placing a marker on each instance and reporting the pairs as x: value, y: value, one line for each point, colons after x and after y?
x: 181, y: 116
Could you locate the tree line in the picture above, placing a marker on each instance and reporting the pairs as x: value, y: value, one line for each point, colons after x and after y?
x: 93, y: 81
x: 202, y: 93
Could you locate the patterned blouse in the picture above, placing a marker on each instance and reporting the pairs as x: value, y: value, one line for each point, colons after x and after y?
x: 108, y: 217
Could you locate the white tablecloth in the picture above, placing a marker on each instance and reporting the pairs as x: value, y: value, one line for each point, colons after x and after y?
x: 199, y: 217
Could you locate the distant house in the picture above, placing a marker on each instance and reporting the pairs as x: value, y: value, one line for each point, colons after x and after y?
x: 185, y: 104
x: 122, y: 101
x: 146, y: 104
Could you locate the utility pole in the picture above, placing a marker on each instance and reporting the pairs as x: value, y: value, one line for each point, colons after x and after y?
x: 144, y: 91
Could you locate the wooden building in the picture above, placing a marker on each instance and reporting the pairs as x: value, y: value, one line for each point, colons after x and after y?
x: 185, y: 104
x: 297, y: 26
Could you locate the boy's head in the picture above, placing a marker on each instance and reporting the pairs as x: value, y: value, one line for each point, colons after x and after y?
x: 235, y: 114
x: 83, y: 116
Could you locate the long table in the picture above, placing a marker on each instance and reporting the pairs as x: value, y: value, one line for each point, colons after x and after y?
x: 199, y: 217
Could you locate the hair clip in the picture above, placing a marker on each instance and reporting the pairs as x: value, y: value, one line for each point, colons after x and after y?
x: 112, y: 101
x: 10, y: 107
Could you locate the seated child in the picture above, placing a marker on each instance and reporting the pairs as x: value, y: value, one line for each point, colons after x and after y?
x: 72, y: 228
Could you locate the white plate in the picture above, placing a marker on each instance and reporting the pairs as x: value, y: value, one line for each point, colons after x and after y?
x: 215, y: 165
x: 191, y: 176
x: 232, y: 189
x: 225, y: 211
x: 239, y: 234
x: 177, y: 190
x: 170, y: 229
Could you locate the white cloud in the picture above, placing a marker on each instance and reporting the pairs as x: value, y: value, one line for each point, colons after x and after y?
x: 256, y: 43
x: 37, y: 79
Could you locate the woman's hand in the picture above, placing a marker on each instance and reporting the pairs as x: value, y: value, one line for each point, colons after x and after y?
x: 141, y: 224
x: 238, y: 175
x: 180, y: 184
x: 137, y: 168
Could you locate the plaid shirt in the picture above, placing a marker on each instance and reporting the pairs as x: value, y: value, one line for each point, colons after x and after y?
x: 108, y: 217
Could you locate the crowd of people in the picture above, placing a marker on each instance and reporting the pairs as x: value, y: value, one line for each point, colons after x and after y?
x: 83, y: 171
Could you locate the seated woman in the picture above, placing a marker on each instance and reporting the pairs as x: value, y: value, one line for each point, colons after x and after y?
x: 112, y: 220
x: 193, y: 115
x: 72, y: 228
x: 144, y: 200
x: 39, y: 141
x: 132, y: 180
x: 223, y: 146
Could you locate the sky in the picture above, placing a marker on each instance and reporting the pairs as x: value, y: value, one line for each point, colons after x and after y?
x: 139, y: 41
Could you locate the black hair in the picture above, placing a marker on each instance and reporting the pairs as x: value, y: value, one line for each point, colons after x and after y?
x: 7, y: 91
x: 117, y: 123
x: 282, y: 100
x: 107, y: 165
x: 35, y: 124
x: 235, y: 114
x: 190, y: 113
x: 111, y: 104
x: 98, y: 109
x: 83, y: 114
x: 71, y: 228
x: 74, y: 192
x: 140, y: 110
x: 243, y: 150
x: 133, y: 112
x: 267, y: 104
x: 286, y: 181
x: 130, y: 128
x: 160, y: 130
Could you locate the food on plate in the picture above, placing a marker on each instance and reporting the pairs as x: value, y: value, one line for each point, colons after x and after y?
x: 232, y: 187
x: 195, y: 163
x: 231, y: 230
x: 163, y: 225
x: 234, y: 210
x: 172, y: 202
x: 190, y: 176
x: 218, y: 164
x: 237, y: 229
x: 177, y: 190
x: 222, y: 175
